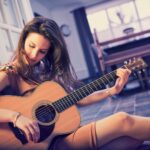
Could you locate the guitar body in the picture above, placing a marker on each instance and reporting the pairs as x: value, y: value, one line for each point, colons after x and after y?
x: 63, y: 122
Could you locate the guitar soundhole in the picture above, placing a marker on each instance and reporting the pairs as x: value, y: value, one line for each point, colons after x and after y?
x: 45, y: 113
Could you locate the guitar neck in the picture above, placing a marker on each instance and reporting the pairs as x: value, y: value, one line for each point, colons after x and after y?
x: 77, y: 95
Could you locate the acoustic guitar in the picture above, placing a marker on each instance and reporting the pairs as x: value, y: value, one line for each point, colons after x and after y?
x: 53, y: 108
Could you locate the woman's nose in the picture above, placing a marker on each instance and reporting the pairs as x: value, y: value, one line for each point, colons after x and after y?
x: 34, y: 54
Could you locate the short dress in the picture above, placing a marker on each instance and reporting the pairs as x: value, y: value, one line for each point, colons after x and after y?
x: 84, y: 138
x: 17, y: 85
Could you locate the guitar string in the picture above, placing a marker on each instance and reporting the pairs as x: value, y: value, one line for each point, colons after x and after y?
x: 61, y: 106
x: 87, y: 87
x: 103, y: 79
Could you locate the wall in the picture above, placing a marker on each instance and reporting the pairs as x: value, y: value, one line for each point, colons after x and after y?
x: 64, y: 16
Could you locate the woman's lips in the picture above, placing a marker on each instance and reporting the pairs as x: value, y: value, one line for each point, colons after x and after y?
x: 30, y: 61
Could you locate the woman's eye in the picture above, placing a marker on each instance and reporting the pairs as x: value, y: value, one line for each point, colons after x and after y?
x: 32, y: 46
x: 43, y: 52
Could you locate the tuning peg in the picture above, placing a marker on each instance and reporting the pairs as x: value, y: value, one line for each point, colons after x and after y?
x: 139, y: 71
x: 133, y: 68
x: 134, y: 58
x: 144, y: 70
x: 125, y: 62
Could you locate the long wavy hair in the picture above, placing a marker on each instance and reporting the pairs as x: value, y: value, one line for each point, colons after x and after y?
x: 57, y: 64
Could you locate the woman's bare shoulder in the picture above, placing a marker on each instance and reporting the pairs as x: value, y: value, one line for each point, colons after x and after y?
x: 4, y: 81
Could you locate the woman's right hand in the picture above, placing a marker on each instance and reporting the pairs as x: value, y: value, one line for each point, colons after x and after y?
x: 29, y: 127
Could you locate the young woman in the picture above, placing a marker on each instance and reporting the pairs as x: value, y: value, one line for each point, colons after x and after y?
x: 41, y: 56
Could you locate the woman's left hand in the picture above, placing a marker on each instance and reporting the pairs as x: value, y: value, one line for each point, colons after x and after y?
x: 123, y: 75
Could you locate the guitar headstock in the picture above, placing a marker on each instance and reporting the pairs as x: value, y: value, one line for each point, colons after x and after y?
x: 136, y: 64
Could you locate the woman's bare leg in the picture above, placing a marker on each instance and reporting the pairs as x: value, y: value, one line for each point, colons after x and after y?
x: 122, y: 124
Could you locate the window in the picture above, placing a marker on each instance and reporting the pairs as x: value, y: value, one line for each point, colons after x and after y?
x: 144, y: 13
x: 12, y: 19
x: 98, y: 23
x: 122, y: 14
x: 119, y: 19
x: 143, y: 8
x: 9, y: 12
x: 6, y: 46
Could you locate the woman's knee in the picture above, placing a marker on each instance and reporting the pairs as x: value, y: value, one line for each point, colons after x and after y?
x: 124, y: 120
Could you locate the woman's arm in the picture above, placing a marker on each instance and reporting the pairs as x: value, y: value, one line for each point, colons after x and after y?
x: 29, y: 126
x: 96, y: 97
x: 123, y: 75
x: 8, y: 115
x: 4, y: 82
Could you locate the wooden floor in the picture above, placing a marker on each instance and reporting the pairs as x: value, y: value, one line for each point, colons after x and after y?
x: 137, y: 103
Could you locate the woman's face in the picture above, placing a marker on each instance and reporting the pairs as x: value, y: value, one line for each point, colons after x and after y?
x: 36, y: 48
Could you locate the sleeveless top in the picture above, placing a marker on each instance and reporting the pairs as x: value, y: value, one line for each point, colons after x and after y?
x: 17, y: 86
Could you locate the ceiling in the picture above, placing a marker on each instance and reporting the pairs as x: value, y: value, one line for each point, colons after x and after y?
x: 71, y: 4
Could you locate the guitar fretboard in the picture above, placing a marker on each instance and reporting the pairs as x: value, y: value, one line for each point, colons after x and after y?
x: 71, y: 99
